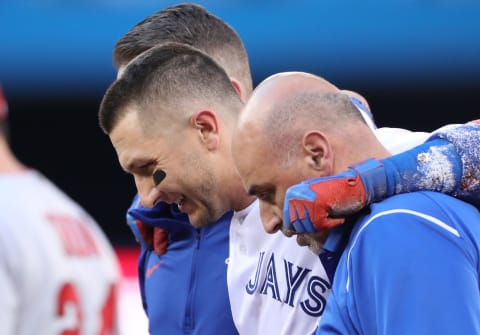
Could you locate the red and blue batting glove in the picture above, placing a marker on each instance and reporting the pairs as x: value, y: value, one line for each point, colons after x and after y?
x: 323, y: 203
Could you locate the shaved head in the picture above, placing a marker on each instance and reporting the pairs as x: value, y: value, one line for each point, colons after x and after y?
x: 297, y: 126
x: 286, y: 104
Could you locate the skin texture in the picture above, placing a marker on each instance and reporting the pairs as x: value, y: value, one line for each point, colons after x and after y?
x: 358, y: 96
x: 196, y: 159
x: 320, y: 149
x: 8, y: 162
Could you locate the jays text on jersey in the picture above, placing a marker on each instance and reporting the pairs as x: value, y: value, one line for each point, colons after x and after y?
x: 275, y: 286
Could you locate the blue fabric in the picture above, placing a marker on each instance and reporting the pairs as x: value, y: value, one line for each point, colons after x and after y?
x: 185, y: 290
x: 406, y: 273
x: 465, y: 140
x: 132, y: 224
x: 333, y: 248
x: 365, y: 111
x: 431, y: 166
x: 163, y: 215
x: 449, y: 162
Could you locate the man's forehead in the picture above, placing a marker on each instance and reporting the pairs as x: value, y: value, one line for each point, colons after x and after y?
x: 131, y: 153
x: 131, y: 143
x: 127, y: 130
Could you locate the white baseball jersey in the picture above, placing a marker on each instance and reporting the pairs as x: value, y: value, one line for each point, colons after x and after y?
x: 276, y: 286
x: 58, y: 272
x: 397, y: 140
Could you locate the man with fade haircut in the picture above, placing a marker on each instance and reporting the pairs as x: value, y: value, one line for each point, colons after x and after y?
x: 402, y: 259
x: 167, y: 115
x: 59, y: 274
x: 189, y: 24
x: 262, y: 267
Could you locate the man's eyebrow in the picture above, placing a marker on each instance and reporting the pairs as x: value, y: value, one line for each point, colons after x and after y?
x: 256, y: 189
x: 129, y: 166
x: 253, y: 190
x: 133, y: 164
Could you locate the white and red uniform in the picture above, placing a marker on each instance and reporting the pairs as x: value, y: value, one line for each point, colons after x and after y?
x: 58, y: 272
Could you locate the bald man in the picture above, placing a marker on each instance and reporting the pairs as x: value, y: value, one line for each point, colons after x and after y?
x: 406, y: 265
x: 273, y: 126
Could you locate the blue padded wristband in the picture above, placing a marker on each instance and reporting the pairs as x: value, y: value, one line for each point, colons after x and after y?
x: 372, y: 174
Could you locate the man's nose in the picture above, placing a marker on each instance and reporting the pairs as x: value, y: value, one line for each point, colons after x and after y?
x: 270, y: 220
x: 148, y: 193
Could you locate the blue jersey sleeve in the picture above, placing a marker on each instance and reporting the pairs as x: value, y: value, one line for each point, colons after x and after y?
x: 448, y: 162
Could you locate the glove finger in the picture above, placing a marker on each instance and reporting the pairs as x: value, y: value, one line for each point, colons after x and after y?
x: 304, y: 225
x: 291, y: 214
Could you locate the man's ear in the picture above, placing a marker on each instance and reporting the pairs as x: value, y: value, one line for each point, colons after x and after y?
x: 318, y: 151
x: 206, y: 125
x: 238, y: 88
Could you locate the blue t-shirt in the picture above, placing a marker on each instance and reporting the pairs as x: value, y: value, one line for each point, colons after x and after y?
x: 411, y: 266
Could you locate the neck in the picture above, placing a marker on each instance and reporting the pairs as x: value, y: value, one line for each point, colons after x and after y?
x: 366, y: 146
x: 239, y: 198
x: 8, y: 162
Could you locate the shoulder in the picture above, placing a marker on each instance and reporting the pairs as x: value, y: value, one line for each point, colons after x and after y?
x: 416, y: 219
x: 398, y: 140
x: 430, y: 208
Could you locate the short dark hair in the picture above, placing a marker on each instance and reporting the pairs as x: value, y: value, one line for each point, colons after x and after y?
x: 163, y: 77
x: 193, y: 25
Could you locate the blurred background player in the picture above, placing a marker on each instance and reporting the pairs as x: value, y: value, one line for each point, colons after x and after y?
x: 58, y: 272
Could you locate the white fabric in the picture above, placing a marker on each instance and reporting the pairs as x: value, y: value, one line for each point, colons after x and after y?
x: 397, y: 140
x: 263, y: 312
x: 55, y: 262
